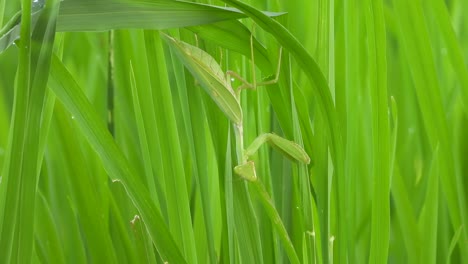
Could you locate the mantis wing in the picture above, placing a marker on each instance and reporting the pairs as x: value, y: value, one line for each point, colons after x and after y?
x: 209, y: 74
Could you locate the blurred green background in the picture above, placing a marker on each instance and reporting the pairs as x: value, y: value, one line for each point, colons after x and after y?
x: 113, y: 153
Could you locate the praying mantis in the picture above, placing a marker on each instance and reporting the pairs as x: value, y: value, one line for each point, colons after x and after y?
x: 217, y: 84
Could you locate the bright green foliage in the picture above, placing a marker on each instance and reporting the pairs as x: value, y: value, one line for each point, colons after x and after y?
x: 124, y: 140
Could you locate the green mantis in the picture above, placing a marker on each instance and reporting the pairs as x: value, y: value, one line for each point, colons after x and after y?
x: 217, y: 84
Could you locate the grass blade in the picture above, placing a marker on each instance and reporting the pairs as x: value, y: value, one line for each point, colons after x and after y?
x: 113, y: 160
x: 105, y: 15
x: 380, y: 230
x: 416, y: 44
x: 276, y: 220
x: 35, y: 53
x: 324, y: 100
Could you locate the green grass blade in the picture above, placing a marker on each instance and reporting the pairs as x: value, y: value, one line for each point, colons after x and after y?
x: 276, y: 220
x: 405, y: 216
x: 2, y: 12
x: 84, y: 192
x: 324, y: 98
x: 145, y: 14
x: 229, y: 231
x: 208, y: 193
x: 428, y: 219
x: 45, y: 226
x: 380, y: 230
x: 42, y: 41
x: 453, y: 243
x: 246, y: 225
x: 234, y: 36
x: 454, y: 50
x: 143, y: 138
x: 137, y: 98
x: 17, y: 140
x: 416, y: 44
x: 113, y: 160
x: 126, y: 248
x: 145, y: 247
x: 132, y: 133
x: 177, y: 180
x: 352, y: 24
x: 105, y: 15
x: 35, y: 52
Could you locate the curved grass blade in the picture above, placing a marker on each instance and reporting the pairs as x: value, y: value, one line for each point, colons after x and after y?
x: 114, y: 161
x: 270, y: 209
x: 105, y: 15
x: 324, y: 101
x: 234, y: 36
x: 247, y: 172
x: 210, y: 75
x: 14, y: 20
x: 11, y: 31
x: 453, y: 243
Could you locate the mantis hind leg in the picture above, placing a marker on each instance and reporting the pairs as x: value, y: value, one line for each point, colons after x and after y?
x: 246, y: 84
